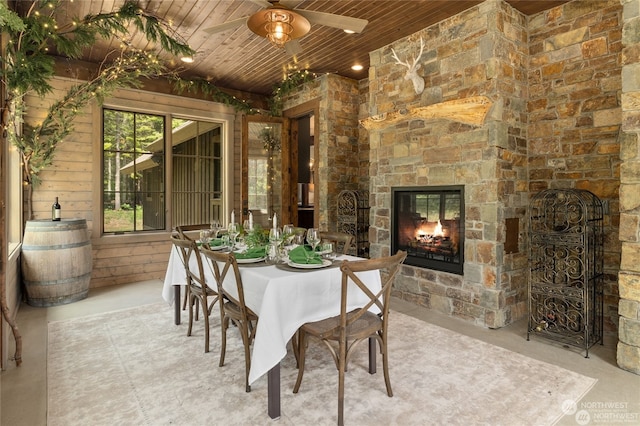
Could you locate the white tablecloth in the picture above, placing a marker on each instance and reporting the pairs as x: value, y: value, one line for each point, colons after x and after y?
x: 283, y: 300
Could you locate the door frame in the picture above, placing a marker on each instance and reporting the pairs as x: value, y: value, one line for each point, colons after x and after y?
x: 244, y: 157
x: 290, y: 157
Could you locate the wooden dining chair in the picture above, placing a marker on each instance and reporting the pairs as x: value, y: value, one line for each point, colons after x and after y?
x: 233, y: 308
x: 183, y: 229
x: 342, y: 333
x: 197, y: 287
x: 341, y: 240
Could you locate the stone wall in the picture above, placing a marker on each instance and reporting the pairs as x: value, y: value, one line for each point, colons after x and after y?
x: 482, y: 51
x: 574, y: 113
x: 628, y: 353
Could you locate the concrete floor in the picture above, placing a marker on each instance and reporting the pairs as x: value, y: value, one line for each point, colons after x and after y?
x: 615, y: 399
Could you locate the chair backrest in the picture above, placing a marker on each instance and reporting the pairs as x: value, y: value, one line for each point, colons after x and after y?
x: 388, y: 267
x: 225, y: 267
x: 182, y: 229
x: 339, y: 239
x: 299, y: 231
x: 188, y: 249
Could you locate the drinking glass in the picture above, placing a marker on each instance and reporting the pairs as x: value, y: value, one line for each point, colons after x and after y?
x: 273, y: 253
x: 298, y: 240
x: 205, y: 235
x: 215, y: 227
x: 327, y: 250
x: 245, y: 226
x: 275, y: 235
x: 287, y: 233
x: 233, y: 233
x: 313, y: 238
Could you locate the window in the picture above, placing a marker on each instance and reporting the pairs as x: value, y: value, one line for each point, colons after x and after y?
x: 133, y: 161
x: 135, y: 171
x: 258, y: 177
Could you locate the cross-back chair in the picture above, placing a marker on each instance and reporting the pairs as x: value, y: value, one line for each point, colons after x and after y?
x: 232, y: 307
x: 197, y: 287
x: 342, y: 333
x: 181, y: 231
x: 341, y: 240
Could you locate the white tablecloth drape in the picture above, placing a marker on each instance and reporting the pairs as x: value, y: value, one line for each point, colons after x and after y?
x: 283, y: 300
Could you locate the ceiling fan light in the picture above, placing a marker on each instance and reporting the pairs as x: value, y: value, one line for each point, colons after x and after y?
x: 279, y: 32
x: 279, y: 26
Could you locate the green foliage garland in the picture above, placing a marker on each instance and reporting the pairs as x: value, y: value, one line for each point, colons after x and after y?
x: 288, y: 85
x: 29, y: 68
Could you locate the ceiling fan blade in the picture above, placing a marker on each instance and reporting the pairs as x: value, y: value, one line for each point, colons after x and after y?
x: 262, y: 3
x: 336, y: 21
x: 291, y: 4
x: 234, y: 23
x: 293, y: 47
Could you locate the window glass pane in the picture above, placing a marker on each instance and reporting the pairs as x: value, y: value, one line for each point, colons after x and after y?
x: 452, y: 206
x: 197, y: 172
x: 133, y: 161
x: 257, y: 184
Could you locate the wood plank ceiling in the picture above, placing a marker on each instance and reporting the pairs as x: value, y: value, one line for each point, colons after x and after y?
x: 238, y: 59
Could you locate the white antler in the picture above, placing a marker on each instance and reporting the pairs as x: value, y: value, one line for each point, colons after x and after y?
x: 412, y: 69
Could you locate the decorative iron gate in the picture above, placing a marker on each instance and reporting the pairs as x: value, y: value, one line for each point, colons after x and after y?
x: 353, y: 218
x: 566, y: 243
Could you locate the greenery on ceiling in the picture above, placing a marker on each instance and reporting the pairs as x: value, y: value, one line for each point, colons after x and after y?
x: 285, y: 87
x: 28, y: 68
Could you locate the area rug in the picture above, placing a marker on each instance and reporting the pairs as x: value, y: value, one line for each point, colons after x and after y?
x: 135, y: 367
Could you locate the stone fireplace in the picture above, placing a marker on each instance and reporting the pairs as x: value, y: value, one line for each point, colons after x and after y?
x: 428, y: 223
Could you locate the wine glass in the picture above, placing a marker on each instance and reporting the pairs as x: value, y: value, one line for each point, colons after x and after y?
x: 215, y: 227
x: 205, y: 235
x: 313, y: 238
x: 246, y: 227
x: 233, y: 230
x: 275, y: 235
x: 287, y: 233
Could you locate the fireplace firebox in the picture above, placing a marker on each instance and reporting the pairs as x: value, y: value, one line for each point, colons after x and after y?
x: 428, y: 223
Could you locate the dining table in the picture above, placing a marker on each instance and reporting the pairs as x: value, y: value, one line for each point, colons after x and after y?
x: 284, y: 296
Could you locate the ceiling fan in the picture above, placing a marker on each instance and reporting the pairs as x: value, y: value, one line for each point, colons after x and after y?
x: 282, y: 24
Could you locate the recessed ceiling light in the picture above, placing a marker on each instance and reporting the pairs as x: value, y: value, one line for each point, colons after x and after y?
x: 187, y: 59
x: 349, y: 31
x: 357, y: 67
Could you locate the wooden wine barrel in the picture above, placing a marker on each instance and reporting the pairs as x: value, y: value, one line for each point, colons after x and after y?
x: 56, y: 261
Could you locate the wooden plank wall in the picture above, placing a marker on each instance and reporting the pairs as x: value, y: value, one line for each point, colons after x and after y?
x: 76, y: 177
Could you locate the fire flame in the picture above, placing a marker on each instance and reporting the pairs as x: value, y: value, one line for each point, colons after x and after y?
x: 438, y: 231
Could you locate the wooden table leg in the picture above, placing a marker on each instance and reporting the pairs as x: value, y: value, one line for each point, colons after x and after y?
x: 176, y: 304
x: 372, y: 355
x: 273, y: 391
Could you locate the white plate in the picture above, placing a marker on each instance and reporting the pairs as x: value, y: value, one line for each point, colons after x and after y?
x: 216, y: 248
x: 324, y: 264
x: 256, y: 260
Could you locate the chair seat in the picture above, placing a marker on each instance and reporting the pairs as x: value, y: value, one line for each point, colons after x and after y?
x: 233, y: 310
x: 329, y: 328
x: 198, y: 288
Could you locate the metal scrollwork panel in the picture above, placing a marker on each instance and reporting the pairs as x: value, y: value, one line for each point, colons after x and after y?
x: 566, y: 267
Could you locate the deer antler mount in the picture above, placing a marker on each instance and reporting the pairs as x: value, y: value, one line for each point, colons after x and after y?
x: 412, y: 69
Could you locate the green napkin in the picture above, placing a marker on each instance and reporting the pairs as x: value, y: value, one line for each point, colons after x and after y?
x: 252, y: 253
x: 215, y: 242
x: 304, y: 255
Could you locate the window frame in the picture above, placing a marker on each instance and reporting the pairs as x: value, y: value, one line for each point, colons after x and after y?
x: 170, y: 106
